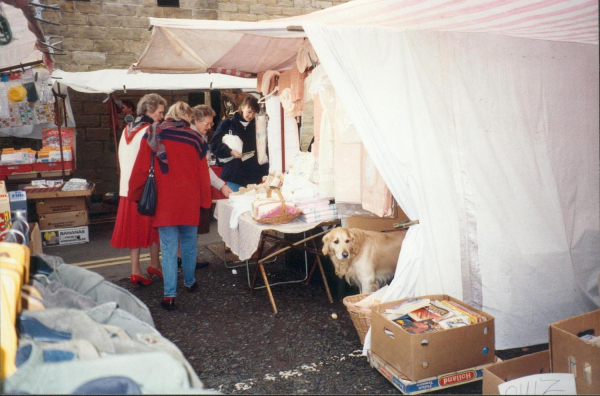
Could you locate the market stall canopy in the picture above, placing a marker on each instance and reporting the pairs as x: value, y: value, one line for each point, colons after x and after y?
x: 111, y: 80
x: 481, y: 117
x: 21, y: 46
x: 246, y: 48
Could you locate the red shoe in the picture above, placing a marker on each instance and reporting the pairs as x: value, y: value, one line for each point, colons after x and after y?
x: 140, y: 280
x: 154, y: 271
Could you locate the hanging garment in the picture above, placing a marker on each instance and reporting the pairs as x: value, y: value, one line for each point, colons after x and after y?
x: 292, y: 143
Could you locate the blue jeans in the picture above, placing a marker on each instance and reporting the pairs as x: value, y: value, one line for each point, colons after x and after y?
x: 234, y: 186
x: 169, y: 236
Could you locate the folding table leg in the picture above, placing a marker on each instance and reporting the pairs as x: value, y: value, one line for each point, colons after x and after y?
x: 324, y: 280
x: 264, y: 275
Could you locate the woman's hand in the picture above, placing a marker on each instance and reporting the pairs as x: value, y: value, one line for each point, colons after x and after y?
x: 226, y: 190
x: 236, y: 154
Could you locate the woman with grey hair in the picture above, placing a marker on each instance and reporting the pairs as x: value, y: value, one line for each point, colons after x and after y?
x: 202, y: 121
x: 132, y: 230
x: 183, y: 186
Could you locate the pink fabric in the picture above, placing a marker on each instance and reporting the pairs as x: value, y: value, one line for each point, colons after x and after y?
x: 376, y: 197
x: 253, y: 54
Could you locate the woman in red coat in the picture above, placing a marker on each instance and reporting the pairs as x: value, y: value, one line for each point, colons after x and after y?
x: 183, y: 187
x: 132, y: 230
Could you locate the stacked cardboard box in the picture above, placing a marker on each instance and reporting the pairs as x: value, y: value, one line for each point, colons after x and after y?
x: 424, y: 362
x: 568, y: 354
x: 61, y: 218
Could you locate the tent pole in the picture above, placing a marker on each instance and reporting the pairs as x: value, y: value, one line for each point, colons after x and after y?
x: 59, y: 120
x: 113, y: 127
x: 282, y: 139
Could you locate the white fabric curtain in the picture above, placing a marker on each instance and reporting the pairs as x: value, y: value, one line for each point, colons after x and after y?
x: 492, y: 143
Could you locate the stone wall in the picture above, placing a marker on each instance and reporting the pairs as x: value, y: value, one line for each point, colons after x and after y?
x: 96, y: 159
x: 103, y: 34
x: 112, y: 34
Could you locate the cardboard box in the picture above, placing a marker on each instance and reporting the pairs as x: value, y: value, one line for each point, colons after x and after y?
x: 65, y: 236
x: 376, y: 223
x: 35, y: 238
x: 570, y: 354
x: 60, y: 205
x: 419, y: 356
x: 63, y: 220
x: 431, y: 384
x: 499, y: 373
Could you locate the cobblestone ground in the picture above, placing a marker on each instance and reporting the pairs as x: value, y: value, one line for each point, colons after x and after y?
x: 238, y: 346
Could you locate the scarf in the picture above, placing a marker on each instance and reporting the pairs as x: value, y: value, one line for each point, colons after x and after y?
x: 134, y: 127
x: 176, y: 131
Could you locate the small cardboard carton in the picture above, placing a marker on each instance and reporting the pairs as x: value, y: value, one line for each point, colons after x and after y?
x: 424, y: 355
x: 571, y: 354
x: 4, y: 212
x: 508, y: 370
x: 35, y: 238
x: 64, y: 220
x: 431, y: 384
x: 65, y: 236
x: 60, y: 205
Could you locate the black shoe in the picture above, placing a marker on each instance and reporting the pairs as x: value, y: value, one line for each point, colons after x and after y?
x: 168, y: 303
x: 191, y: 289
x: 202, y: 264
x: 179, y: 262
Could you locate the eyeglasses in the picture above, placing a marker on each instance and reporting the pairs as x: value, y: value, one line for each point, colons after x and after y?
x: 208, y: 124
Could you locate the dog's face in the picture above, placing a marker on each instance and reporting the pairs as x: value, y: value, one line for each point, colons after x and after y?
x: 338, y: 245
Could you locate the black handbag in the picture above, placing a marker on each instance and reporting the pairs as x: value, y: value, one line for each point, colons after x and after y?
x: 147, y: 204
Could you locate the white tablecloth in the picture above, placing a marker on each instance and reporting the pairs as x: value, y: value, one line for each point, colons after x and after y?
x: 244, y: 240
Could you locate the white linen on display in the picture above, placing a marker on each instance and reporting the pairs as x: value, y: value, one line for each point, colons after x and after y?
x: 292, y: 142
x: 492, y: 143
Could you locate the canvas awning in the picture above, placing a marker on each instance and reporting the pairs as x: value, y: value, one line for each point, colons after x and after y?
x: 198, y: 46
x: 111, y: 80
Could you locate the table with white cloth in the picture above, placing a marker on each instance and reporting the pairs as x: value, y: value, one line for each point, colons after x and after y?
x: 250, y: 237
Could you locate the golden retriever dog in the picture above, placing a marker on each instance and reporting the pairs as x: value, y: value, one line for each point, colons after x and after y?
x: 365, y: 258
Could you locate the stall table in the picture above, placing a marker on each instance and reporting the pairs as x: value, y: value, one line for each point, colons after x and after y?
x: 250, y: 237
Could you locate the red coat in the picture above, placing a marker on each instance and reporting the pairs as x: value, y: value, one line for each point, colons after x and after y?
x: 183, y: 189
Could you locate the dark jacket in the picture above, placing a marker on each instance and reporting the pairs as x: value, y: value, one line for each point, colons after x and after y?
x: 236, y: 171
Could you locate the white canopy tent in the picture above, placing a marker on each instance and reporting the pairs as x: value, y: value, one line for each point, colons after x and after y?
x: 482, y: 118
x: 111, y: 80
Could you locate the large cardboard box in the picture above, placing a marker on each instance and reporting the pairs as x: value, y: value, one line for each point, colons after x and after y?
x: 65, y: 236
x: 63, y: 220
x: 508, y: 370
x: 570, y: 354
x: 60, y: 205
x: 376, y: 223
x: 419, y: 356
x: 430, y: 384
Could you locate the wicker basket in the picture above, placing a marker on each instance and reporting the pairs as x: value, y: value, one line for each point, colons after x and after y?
x: 284, y: 216
x: 361, y: 317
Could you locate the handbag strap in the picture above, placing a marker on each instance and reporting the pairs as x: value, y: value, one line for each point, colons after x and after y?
x: 151, y: 172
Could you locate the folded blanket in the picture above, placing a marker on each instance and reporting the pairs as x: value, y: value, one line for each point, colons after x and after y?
x: 313, y: 218
x: 320, y: 209
x: 312, y: 201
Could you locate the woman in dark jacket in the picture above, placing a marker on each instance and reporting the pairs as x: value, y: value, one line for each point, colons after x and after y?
x: 183, y: 187
x: 236, y: 172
